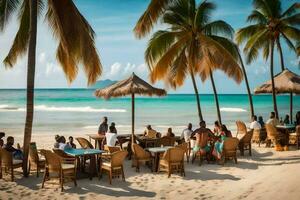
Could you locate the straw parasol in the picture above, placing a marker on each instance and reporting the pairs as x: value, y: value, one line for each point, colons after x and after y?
x: 131, y: 86
x: 285, y: 82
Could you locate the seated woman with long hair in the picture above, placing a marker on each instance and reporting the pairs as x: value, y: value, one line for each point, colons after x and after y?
x: 218, y: 148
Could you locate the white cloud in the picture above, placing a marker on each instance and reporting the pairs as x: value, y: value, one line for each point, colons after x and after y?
x: 118, y: 70
x: 115, y: 69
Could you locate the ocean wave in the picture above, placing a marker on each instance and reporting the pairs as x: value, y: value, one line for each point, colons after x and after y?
x: 96, y: 127
x: 5, y: 108
x: 225, y: 109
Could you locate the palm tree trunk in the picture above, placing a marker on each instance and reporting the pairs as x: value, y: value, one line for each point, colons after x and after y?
x: 30, y: 82
x: 272, y: 78
x: 247, y: 85
x: 197, y: 96
x: 216, y: 97
x: 281, y: 54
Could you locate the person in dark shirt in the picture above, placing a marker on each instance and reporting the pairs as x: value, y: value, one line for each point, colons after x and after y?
x: 286, y: 119
x: 71, y: 142
x: 17, y: 153
x: 261, y: 121
x: 170, y: 133
x: 2, y: 134
x: 113, y: 128
x: 103, y: 128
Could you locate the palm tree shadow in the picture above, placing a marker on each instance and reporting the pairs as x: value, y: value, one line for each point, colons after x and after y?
x: 206, y: 175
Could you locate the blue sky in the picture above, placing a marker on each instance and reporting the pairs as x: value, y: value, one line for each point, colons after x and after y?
x: 121, y: 53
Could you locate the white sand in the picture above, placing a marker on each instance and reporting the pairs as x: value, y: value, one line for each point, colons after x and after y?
x: 266, y: 175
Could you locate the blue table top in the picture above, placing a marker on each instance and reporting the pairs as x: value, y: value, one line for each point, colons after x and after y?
x: 82, y: 152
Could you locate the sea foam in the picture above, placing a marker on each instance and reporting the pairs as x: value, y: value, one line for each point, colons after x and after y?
x: 225, y: 109
x: 5, y: 108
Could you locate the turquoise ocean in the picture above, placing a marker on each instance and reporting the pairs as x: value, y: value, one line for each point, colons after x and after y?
x: 78, y: 110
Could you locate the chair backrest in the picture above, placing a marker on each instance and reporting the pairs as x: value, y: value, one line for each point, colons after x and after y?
x: 184, y: 146
x: 6, y: 158
x: 271, y: 131
x: 256, y: 134
x: 230, y: 145
x: 84, y: 143
x: 174, y: 154
x: 113, y: 149
x: 53, y: 161
x: 167, y: 141
x: 246, y: 139
x: 118, y: 157
x: 138, y: 151
x: 61, y: 153
x: 33, y: 153
x: 241, y: 127
x: 298, y: 130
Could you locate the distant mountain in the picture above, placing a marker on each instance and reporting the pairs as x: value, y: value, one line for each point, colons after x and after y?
x: 103, y: 83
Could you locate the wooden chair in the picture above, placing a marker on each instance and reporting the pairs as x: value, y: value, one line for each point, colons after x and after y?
x: 185, y: 147
x: 241, y: 128
x: 256, y: 136
x: 245, y: 143
x: 63, y: 168
x: 273, y: 136
x: 229, y: 149
x: 172, y: 161
x: 84, y: 143
x: 294, y: 138
x: 140, y: 155
x: 167, y: 141
x: 108, y: 151
x: 8, y: 163
x: 115, y: 166
x: 35, y: 159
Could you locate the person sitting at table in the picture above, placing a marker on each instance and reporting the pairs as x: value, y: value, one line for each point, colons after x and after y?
x: 9, y: 146
x: 203, y: 136
x: 273, y: 120
x: 225, y: 132
x: 297, y: 122
x: 254, y: 124
x: 170, y: 133
x: 218, y: 147
x: 217, y: 128
x: 149, y: 132
x: 286, y: 119
x: 261, y: 121
x: 2, y: 134
x: 71, y: 142
x: 56, y: 144
x: 62, y: 143
x: 111, y: 137
x: 103, y: 128
x: 113, y: 128
x: 186, y: 133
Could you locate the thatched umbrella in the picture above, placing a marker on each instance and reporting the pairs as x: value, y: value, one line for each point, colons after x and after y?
x: 285, y: 82
x: 131, y: 86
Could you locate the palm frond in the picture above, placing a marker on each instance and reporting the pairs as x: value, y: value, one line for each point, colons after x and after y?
x: 228, y: 45
x: 150, y: 17
x: 263, y: 7
x: 253, y: 45
x: 291, y: 32
x: 75, y: 42
x: 218, y: 27
x: 289, y: 42
x: 20, y: 43
x: 257, y: 17
x: 158, y: 45
x: 266, y: 50
x: 256, y: 38
x: 215, y: 56
x: 245, y: 33
x: 203, y: 14
x: 292, y: 20
x: 291, y: 10
x: 7, y: 8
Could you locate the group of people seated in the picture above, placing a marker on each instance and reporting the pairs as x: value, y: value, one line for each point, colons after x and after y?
x: 60, y: 143
x: 9, y: 146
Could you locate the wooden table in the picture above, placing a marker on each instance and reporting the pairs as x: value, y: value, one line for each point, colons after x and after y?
x: 157, y: 151
x: 153, y: 142
x: 86, y: 152
x: 98, y: 139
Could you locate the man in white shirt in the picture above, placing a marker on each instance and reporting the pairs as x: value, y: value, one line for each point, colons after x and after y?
x: 254, y: 124
x: 273, y: 120
x: 111, y: 137
x: 186, y: 133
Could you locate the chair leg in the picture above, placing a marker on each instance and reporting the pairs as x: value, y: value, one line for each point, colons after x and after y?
x: 44, y: 178
x: 169, y: 171
x: 250, y: 150
x: 100, y: 172
x: 235, y: 159
x: 12, y: 174
x: 61, y: 181
x: 110, y: 176
x: 123, y: 175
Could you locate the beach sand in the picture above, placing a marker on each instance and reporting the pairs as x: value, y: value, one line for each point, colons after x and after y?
x: 266, y: 175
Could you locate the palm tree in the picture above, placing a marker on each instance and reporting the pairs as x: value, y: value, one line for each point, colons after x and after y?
x: 76, y: 45
x: 192, y: 45
x: 270, y: 24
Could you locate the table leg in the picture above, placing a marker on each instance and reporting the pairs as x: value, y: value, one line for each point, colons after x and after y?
x: 92, y: 166
x: 156, y: 161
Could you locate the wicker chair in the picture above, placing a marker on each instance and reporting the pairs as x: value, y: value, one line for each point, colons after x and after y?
x: 65, y: 168
x: 84, y: 143
x: 256, y: 136
x: 229, y: 149
x: 294, y: 138
x: 245, y: 143
x: 241, y: 128
x: 35, y: 159
x: 273, y: 137
x: 185, y: 146
x: 140, y: 155
x: 167, y: 141
x: 108, y: 151
x: 172, y: 161
x: 8, y: 163
x: 115, y: 166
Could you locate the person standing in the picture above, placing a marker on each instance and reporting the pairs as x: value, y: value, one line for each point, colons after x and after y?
x: 103, y: 128
x: 186, y: 133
